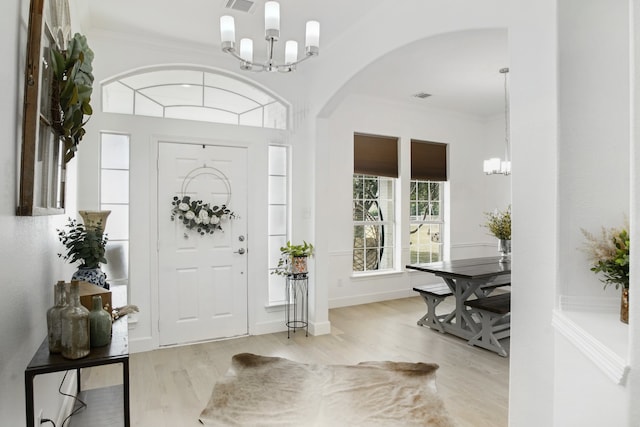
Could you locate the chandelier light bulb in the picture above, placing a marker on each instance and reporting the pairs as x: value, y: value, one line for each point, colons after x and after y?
x: 272, y: 19
x: 246, y: 50
x: 312, y: 39
x: 227, y: 29
x: 290, y: 52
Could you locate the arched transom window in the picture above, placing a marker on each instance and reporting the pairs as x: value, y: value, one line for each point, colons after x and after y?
x: 194, y: 95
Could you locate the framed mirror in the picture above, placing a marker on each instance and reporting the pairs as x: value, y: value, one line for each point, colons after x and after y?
x: 42, y: 167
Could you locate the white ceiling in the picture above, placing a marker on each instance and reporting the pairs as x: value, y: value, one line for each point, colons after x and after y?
x: 459, y: 70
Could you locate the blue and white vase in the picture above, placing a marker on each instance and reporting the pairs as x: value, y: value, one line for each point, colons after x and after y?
x: 91, y: 275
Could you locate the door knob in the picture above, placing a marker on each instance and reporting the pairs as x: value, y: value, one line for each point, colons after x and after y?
x: 240, y: 251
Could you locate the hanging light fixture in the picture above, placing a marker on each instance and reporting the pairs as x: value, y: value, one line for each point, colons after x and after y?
x: 496, y: 165
x: 271, y: 35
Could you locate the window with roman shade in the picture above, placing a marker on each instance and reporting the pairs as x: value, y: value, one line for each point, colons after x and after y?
x: 375, y: 170
x: 426, y: 201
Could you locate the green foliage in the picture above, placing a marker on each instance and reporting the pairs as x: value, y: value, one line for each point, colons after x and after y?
x: 289, y: 251
x: 83, y: 244
x: 610, y: 256
x: 306, y: 249
x: 71, y: 92
x: 199, y: 216
x: 499, y: 223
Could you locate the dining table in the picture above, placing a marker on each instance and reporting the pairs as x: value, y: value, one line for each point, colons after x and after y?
x: 466, y: 278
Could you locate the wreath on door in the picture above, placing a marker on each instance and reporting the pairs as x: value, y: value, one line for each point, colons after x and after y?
x: 205, y: 218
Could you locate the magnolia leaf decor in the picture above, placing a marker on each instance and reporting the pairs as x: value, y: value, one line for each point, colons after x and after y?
x: 72, y: 85
x: 199, y: 216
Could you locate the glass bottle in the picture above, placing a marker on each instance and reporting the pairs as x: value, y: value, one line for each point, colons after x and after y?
x: 75, y: 326
x: 54, y: 318
x: 99, y: 323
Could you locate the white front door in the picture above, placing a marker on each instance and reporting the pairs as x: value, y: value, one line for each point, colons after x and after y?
x: 202, y: 278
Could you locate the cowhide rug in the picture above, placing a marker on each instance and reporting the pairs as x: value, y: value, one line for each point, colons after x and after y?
x: 273, y: 391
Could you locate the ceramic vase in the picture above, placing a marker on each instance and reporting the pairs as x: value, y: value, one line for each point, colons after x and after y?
x: 75, y: 326
x: 91, y: 275
x: 504, y: 247
x: 54, y: 318
x: 93, y: 219
x: 298, y: 265
x: 99, y: 323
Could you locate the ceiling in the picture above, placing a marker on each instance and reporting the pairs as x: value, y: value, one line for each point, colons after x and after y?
x: 459, y: 70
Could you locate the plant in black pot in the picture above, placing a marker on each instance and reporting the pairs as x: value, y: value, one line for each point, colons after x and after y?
x: 293, y: 259
x: 86, y: 245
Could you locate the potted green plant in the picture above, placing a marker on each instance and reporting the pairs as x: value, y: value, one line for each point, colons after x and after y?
x: 71, y: 88
x: 293, y: 259
x: 499, y: 225
x: 609, y: 254
x: 86, y: 245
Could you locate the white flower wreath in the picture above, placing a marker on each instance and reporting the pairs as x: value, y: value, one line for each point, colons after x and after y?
x: 202, y: 217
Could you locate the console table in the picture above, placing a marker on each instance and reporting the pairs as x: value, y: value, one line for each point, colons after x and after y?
x: 44, y: 362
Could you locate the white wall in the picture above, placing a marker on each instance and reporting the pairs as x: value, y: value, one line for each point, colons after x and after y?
x: 534, y: 121
x: 594, y: 96
x: 472, y: 192
x: 30, y: 266
x: 570, y: 132
x: 593, y: 184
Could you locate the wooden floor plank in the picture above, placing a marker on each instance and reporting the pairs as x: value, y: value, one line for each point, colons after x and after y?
x: 170, y: 386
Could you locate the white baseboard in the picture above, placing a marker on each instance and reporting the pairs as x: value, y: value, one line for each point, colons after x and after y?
x: 369, y: 298
x: 270, y: 327
x: 320, y: 328
x: 140, y: 345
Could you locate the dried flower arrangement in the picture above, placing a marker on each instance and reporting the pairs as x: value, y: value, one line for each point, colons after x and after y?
x: 609, y: 252
x: 499, y: 223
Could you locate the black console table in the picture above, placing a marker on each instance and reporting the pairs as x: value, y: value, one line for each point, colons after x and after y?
x: 44, y: 362
x: 297, y: 295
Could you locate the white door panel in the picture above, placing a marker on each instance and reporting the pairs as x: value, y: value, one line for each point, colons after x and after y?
x: 202, y: 278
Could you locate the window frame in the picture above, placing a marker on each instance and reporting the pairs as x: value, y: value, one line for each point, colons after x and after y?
x: 275, y: 283
x: 440, y: 221
x: 388, y: 247
x: 105, y: 205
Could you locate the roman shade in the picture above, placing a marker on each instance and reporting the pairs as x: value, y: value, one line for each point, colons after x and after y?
x: 428, y: 161
x: 375, y: 155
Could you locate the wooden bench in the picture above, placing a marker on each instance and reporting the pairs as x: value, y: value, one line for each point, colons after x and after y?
x: 433, y: 295
x: 494, y: 313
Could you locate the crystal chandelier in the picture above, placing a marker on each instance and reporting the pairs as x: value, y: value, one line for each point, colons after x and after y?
x: 272, y: 34
x: 495, y: 165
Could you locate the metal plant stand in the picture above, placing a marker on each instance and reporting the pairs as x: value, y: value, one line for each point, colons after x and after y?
x: 297, y: 309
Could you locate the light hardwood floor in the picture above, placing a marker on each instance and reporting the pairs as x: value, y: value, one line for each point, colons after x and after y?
x: 170, y: 386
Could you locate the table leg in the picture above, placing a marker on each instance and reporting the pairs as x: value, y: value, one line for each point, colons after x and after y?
x: 431, y: 319
x: 28, y: 398
x: 125, y: 391
x: 464, y: 325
